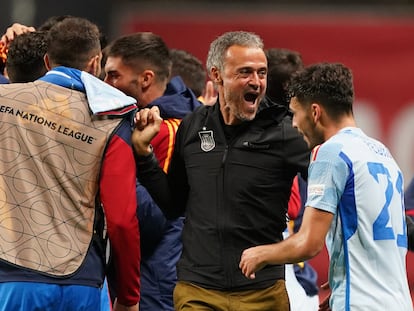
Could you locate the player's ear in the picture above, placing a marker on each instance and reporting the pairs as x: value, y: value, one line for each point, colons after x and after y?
x: 47, y: 62
x: 316, y: 112
x: 215, y: 76
x: 94, y: 65
x: 146, y: 78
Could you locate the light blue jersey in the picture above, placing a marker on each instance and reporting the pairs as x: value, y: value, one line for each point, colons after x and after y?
x: 355, y: 177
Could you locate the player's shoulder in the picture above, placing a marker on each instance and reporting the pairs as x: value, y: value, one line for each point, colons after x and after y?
x: 329, y: 150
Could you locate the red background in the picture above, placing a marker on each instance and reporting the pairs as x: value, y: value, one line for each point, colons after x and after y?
x: 378, y: 49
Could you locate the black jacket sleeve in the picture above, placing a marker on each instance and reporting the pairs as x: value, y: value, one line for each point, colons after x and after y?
x: 153, y: 178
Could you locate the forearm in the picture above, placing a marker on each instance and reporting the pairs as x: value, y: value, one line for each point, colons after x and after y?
x: 305, y: 244
x: 153, y: 178
x: 126, y: 256
x: 292, y: 250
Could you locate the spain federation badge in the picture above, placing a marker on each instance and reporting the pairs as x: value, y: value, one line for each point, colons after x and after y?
x: 207, y: 140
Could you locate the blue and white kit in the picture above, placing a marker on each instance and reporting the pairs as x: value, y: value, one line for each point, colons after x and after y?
x: 355, y: 178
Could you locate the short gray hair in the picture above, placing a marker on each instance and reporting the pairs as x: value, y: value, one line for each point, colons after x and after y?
x: 219, y: 46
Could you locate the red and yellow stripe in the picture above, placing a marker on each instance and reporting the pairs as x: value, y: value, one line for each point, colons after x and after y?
x: 172, y: 125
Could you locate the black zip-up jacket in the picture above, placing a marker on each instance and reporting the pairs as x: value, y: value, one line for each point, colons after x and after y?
x: 234, y: 192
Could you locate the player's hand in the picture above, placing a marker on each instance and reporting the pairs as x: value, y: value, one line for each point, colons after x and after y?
x: 121, y: 307
x: 210, y: 94
x: 252, y: 260
x: 15, y: 30
x: 147, y: 125
x: 324, y: 304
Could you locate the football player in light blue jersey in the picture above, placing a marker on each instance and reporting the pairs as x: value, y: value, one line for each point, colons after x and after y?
x: 355, y: 201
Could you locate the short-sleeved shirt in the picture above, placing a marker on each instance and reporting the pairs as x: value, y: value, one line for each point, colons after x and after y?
x: 355, y: 178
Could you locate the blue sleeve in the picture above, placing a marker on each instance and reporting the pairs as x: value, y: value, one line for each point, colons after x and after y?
x: 328, y: 174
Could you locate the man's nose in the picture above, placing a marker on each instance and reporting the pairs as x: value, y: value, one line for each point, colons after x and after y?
x: 255, y: 80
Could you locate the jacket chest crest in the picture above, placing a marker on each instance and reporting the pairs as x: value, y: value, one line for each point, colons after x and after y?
x: 207, y: 142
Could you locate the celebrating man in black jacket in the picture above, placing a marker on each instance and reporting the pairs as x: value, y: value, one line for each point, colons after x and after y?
x: 231, y: 174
